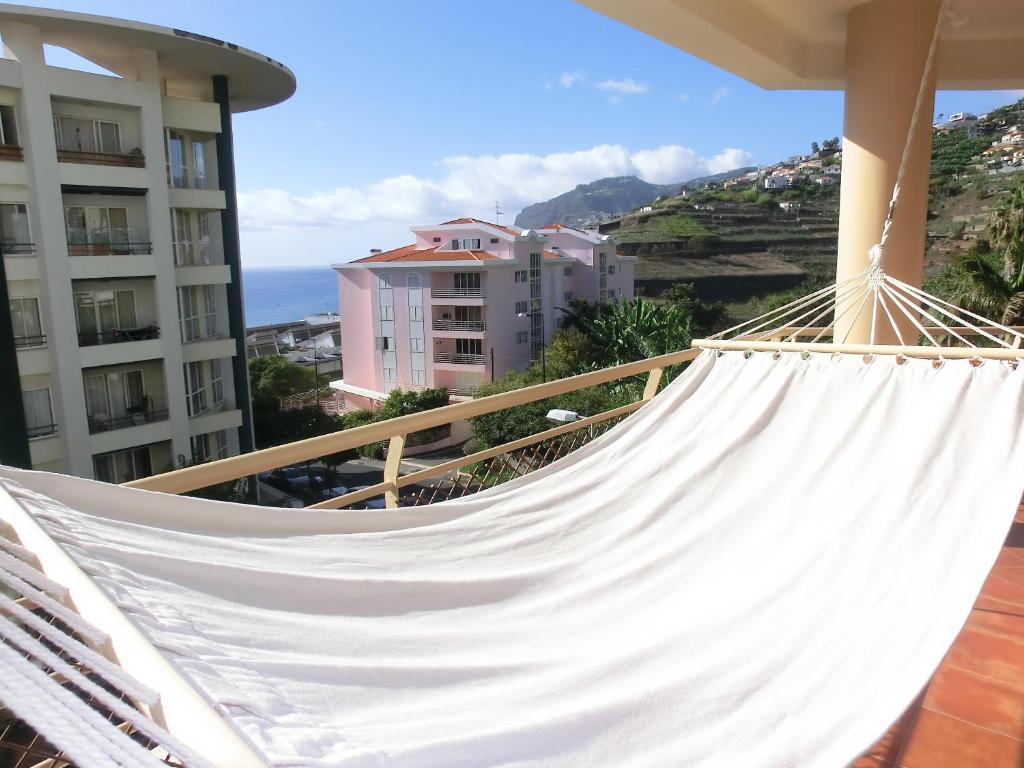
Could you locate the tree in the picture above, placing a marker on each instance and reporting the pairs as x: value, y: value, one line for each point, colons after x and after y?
x: 815, y: 149
x: 579, y: 311
x: 276, y: 427
x: 275, y: 376
x: 706, y: 318
x: 232, y: 490
x: 830, y: 146
x: 637, y: 329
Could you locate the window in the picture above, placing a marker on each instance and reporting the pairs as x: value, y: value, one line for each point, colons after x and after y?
x: 383, y: 280
x: 216, y: 381
x: 419, y: 377
x: 78, y: 134
x: 177, y: 171
x: 471, y: 243
x: 181, y: 232
x: 522, y: 307
x: 386, y: 343
x: 205, y: 244
x: 387, y: 312
x: 210, y: 309
x: 198, y: 165
x: 522, y: 337
x: 8, y: 127
x: 467, y: 314
x: 28, y: 331
x: 123, y: 466
x: 38, y: 412
x: 222, y: 443
x: 413, y: 280
x: 101, y: 314
x: 96, y: 230
x: 567, y: 271
x: 389, y: 375
x: 455, y: 244
x: 520, y: 275
x: 602, y: 276
x: 415, y: 313
x: 494, y: 241
x: 415, y: 345
x: 567, y: 296
x: 468, y: 347
x: 611, y: 270
x: 466, y: 281
x: 188, y: 313
x: 115, y: 399
x: 200, y: 447
x: 437, y: 239
x: 15, y: 236
x: 195, y: 389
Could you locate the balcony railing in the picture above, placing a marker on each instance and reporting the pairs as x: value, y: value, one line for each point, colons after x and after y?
x: 103, y: 423
x: 30, y: 342
x: 458, y: 293
x: 119, y: 336
x: 42, y: 430
x: 11, y: 152
x: 476, y: 326
x: 18, y: 249
x: 459, y: 358
x: 124, y: 160
x: 126, y: 248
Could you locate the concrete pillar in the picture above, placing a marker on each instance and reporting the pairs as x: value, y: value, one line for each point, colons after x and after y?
x: 886, y: 48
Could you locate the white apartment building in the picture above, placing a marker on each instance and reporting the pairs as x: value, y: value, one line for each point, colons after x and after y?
x: 121, y: 331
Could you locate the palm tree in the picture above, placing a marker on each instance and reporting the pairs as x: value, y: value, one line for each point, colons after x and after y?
x: 636, y: 329
x: 991, y: 282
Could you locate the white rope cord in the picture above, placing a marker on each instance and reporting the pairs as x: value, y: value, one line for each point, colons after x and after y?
x: 915, y: 118
x: 831, y: 301
x: 899, y: 301
x: 64, y: 719
x: 22, y: 553
x: 990, y: 323
x: 27, y: 573
x: 55, y: 609
x: 101, y: 665
x: 951, y: 331
x: 19, y: 637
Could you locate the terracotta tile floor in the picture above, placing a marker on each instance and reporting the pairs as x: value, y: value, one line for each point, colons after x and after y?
x: 971, y: 715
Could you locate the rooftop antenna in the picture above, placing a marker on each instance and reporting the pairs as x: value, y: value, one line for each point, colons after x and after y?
x: 497, y: 212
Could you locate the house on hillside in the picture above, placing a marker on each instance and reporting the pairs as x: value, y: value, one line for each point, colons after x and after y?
x: 465, y: 303
x: 777, y: 182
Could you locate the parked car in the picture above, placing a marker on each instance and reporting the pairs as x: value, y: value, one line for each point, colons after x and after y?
x: 287, y: 478
x: 374, y: 502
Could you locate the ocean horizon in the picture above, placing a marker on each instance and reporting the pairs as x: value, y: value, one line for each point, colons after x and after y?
x: 283, y: 294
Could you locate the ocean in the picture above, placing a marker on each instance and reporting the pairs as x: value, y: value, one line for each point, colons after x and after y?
x: 282, y: 294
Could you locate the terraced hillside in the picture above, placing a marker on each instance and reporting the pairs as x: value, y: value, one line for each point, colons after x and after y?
x: 730, y: 247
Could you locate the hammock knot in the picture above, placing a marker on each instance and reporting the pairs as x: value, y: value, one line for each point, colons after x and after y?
x: 876, y: 253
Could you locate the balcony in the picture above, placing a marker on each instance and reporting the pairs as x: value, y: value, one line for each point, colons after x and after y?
x: 471, y: 326
x: 117, y: 159
x: 126, y: 248
x: 41, y: 430
x: 458, y: 358
x: 458, y: 293
x: 119, y: 336
x: 11, y: 152
x: 30, y: 342
x: 104, y: 423
x: 17, y: 249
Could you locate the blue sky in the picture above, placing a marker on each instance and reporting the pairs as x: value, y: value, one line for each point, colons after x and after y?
x: 409, y: 112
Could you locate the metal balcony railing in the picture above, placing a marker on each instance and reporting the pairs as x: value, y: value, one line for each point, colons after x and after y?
x: 458, y: 293
x: 42, y: 430
x: 477, y: 326
x: 126, y: 248
x: 29, y: 342
x: 119, y: 336
x: 100, y: 422
x: 124, y: 160
x: 11, y: 152
x: 459, y: 358
x: 17, y: 249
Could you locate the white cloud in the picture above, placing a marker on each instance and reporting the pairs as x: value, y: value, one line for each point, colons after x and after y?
x: 719, y: 94
x: 627, y: 86
x: 468, y: 185
x: 569, y: 79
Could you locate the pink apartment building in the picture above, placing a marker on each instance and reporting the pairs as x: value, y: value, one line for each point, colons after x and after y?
x: 465, y: 303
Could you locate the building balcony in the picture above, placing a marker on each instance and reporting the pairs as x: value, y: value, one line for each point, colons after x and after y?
x: 17, y: 249
x: 471, y: 326
x: 30, y: 342
x: 458, y: 293
x: 104, y: 423
x: 126, y: 248
x: 458, y: 358
x: 119, y: 336
x: 118, y: 159
x: 11, y: 152
x: 41, y: 430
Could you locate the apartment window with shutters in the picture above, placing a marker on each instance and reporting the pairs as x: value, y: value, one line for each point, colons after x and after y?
x: 8, y: 127
x: 522, y: 337
x: 38, y: 412
x: 222, y: 444
x: 200, y: 447
x: 471, y: 243
x: 198, y: 165
x: 181, y: 234
x: 611, y: 270
x: 419, y: 377
x: 177, y: 169
x: 522, y: 307
x: 195, y: 389
x: 15, y: 236
x: 415, y: 313
x: 466, y: 281
x: 389, y: 375
x: 520, y: 275
x: 210, y: 309
x: 216, y: 381
x: 468, y: 347
x: 567, y: 271
x: 123, y: 466
x: 567, y: 296
x: 415, y: 345
x: 205, y: 243
x: 28, y: 330
x: 387, y: 312
x: 188, y: 313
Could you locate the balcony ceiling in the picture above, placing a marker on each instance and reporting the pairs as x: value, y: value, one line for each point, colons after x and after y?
x: 187, y: 60
x: 800, y: 44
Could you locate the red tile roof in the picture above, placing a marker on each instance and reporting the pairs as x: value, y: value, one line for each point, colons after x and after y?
x: 414, y: 253
x: 971, y: 713
x: 552, y: 255
x: 471, y: 220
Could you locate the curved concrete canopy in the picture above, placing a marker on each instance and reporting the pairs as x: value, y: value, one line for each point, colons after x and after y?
x: 187, y: 60
x: 800, y: 44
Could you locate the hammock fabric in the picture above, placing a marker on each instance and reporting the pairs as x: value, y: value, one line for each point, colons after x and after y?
x: 761, y: 567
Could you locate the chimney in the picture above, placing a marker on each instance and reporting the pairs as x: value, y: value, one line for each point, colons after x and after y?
x: 374, y: 251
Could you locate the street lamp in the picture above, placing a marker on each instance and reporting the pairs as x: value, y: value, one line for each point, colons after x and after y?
x: 563, y: 416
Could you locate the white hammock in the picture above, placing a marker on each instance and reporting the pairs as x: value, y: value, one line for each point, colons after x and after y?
x: 711, y: 583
